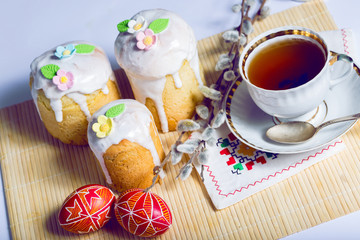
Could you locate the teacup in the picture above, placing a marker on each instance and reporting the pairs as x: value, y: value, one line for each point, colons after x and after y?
x: 304, y: 85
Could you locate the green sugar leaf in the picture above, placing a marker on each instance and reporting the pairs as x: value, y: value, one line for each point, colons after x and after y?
x: 115, y: 110
x: 123, y: 26
x: 84, y: 48
x: 49, y: 71
x: 159, y: 25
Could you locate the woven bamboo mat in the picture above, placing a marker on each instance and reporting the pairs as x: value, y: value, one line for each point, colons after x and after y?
x: 39, y: 172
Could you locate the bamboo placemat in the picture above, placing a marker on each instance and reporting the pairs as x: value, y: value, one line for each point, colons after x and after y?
x: 39, y: 172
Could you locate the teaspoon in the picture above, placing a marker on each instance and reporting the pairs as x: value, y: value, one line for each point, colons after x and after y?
x: 298, y: 132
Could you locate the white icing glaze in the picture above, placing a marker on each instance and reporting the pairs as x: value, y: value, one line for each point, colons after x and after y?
x: 177, y: 80
x: 91, y: 72
x: 146, y: 70
x: 133, y: 124
x: 155, y: 93
x: 80, y: 99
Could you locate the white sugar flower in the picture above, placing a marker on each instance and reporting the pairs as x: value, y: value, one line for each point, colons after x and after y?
x: 136, y: 25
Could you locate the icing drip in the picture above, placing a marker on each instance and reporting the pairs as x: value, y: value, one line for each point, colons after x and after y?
x: 177, y: 80
x: 153, y: 90
x: 91, y: 72
x: 56, y: 105
x: 81, y: 101
x: 105, y: 89
x: 35, y: 95
x: 133, y: 124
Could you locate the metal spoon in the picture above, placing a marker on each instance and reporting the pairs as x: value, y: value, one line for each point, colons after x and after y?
x: 298, y: 132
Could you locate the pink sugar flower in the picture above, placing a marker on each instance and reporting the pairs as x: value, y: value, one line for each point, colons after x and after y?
x: 63, y: 80
x: 146, y: 39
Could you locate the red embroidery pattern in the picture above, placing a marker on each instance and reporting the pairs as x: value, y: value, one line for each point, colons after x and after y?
x: 345, y: 41
x: 240, y: 153
x: 220, y: 192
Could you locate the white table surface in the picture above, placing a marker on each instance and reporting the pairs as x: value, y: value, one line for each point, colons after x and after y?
x: 28, y: 28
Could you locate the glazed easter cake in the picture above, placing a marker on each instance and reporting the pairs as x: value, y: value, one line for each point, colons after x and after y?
x: 124, y: 139
x: 157, y: 50
x: 68, y: 84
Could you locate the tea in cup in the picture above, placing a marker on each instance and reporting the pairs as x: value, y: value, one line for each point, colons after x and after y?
x: 287, y: 71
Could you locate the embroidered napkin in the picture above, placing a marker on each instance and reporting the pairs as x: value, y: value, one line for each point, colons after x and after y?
x: 237, y: 171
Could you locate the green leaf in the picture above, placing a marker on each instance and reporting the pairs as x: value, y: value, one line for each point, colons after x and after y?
x: 115, y: 110
x: 159, y: 25
x: 49, y: 71
x: 84, y: 48
x: 123, y: 26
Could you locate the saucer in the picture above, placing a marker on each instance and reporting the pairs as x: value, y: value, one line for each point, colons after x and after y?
x: 315, y: 117
x: 249, y: 123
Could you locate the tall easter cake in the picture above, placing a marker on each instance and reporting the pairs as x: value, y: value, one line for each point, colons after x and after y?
x: 68, y: 84
x: 157, y: 50
x: 124, y: 139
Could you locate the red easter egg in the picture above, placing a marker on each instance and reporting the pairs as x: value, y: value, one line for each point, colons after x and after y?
x: 142, y: 214
x: 87, y: 209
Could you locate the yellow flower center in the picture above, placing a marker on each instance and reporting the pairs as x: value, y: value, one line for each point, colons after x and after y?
x: 148, y: 40
x: 104, y: 127
x: 63, y: 79
x: 66, y: 52
x: 137, y: 26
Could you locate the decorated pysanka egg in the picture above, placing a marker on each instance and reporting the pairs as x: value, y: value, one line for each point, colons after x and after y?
x: 141, y: 213
x: 87, y: 209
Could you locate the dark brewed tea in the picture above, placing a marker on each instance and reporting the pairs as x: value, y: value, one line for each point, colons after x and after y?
x: 286, y: 64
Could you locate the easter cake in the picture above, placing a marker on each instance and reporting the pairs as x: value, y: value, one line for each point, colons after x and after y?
x: 124, y: 139
x: 157, y: 50
x: 68, y: 84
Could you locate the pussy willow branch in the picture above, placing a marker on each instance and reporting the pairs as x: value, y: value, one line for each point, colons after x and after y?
x: 234, y: 47
x: 256, y: 17
x: 243, y: 14
x: 193, y: 156
x: 157, y: 169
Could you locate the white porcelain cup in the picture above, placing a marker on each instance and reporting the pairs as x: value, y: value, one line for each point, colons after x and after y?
x: 297, y: 101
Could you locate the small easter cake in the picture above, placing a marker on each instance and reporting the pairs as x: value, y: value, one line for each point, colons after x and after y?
x: 68, y: 84
x: 157, y: 50
x: 124, y: 139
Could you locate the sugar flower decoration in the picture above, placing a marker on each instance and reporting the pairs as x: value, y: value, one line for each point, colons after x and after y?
x: 146, y: 39
x: 135, y: 25
x: 102, y: 127
x: 65, y: 52
x: 63, y: 80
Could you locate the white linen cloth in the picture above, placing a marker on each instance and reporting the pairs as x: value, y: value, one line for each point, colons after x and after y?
x: 236, y: 171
